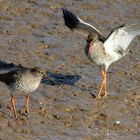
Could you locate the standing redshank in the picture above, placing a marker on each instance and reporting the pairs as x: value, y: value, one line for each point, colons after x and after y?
x: 103, y: 51
x: 23, y: 80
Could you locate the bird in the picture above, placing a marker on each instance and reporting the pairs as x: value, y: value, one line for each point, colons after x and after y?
x: 23, y: 80
x: 101, y: 50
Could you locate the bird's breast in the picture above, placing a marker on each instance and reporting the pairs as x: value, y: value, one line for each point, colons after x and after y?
x: 96, y: 54
x: 25, y: 85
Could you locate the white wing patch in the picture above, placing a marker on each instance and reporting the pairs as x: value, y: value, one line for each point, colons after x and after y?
x: 119, y: 40
x: 89, y: 27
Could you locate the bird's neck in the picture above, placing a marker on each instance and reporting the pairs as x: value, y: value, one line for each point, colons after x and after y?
x: 93, y: 46
x: 90, y: 47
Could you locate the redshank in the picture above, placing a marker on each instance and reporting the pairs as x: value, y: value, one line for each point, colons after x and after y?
x: 103, y: 51
x: 23, y: 80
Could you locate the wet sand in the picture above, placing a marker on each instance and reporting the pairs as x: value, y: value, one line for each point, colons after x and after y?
x: 32, y: 33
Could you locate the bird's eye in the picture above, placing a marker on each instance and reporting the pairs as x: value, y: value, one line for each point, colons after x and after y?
x: 40, y: 72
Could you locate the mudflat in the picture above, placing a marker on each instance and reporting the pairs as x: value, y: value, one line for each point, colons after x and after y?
x: 32, y: 33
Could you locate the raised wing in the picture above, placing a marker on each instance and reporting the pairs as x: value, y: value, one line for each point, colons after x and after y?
x: 75, y: 23
x: 120, y: 38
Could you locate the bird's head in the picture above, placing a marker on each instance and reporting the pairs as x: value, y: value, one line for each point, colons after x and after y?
x: 42, y: 73
x: 38, y: 71
x: 92, y: 37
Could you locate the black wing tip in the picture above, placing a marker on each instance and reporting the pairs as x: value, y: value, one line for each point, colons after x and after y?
x: 70, y: 18
x: 66, y: 11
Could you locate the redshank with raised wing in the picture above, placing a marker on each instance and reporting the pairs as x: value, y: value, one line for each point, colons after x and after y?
x: 103, y: 51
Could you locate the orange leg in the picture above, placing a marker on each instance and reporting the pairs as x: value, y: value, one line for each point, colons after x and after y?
x: 13, y: 106
x: 101, y: 88
x: 106, y: 93
x: 103, y: 85
x: 103, y: 74
x: 27, y: 104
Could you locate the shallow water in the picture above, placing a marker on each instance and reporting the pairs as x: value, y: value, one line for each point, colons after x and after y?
x: 32, y: 33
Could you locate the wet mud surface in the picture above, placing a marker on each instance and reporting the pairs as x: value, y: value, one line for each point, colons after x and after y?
x: 32, y: 33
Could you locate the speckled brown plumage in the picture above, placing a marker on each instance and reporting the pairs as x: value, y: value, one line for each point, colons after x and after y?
x: 25, y: 80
